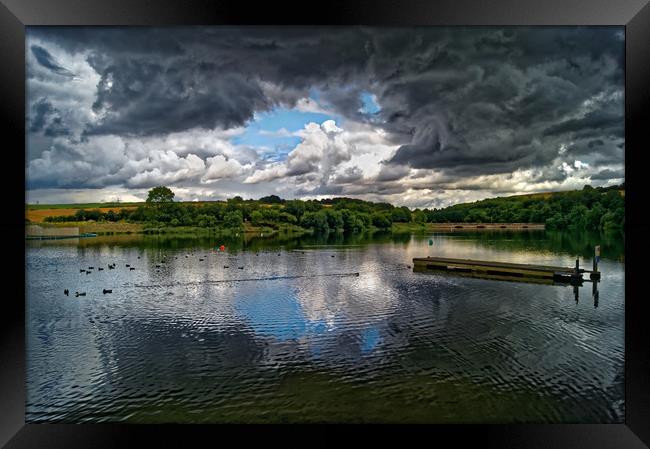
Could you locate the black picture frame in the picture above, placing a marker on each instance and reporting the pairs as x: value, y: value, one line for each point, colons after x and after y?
x: 633, y: 14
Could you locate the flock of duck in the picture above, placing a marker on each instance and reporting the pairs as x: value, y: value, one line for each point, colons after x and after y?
x: 112, y: 266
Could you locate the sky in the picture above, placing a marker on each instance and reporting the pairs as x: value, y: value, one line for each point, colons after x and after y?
x: 418, y: 117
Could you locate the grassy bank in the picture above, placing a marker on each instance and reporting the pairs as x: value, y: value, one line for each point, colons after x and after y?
x: 98, y: 228
x: 426, y: 228
x: 104, y: 228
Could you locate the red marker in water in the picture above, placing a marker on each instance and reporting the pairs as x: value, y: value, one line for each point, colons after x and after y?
x: 222, y: 248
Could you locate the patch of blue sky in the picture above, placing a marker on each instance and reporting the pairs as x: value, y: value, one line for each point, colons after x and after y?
x: 277, y: 313
x: 370, y: 338
x: 271, y: 133
x: 370, y: 105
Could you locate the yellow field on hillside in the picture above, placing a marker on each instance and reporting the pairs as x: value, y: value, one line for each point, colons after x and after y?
x: 38, y: 215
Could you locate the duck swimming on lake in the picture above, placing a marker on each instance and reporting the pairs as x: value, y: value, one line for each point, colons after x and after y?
x: 66, y: 292
x: 99, y: 268
x: 79, y: 294
x: 131, y: 269
x: 107, y: 291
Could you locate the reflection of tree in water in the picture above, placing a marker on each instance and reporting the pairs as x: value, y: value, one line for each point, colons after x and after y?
x: 612, y: 245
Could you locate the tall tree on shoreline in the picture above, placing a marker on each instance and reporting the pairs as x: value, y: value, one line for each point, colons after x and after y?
x: 160, y: 195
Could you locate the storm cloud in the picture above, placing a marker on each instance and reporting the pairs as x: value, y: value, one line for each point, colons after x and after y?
x: 456, y: 110
x: 45, y: 59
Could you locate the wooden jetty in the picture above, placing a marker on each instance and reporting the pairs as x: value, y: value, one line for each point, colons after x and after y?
x: 504, y: 271
x: 485, y: 226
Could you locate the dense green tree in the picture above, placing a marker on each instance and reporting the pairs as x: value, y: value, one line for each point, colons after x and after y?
x: 160, y: 194
x: 334, y: 218
x: 257, y: 218
x: 206, y: 221
x: 381, y: 220
x: 295, y: 208
x: 233, y: 219
x: 271, y: 199
x: 315, y: 220
x: 401, y: 215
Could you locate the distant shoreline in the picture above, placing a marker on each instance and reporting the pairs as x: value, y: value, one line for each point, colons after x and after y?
x: 118, y: 228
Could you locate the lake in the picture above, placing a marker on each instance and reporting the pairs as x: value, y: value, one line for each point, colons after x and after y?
x: 296, y: 335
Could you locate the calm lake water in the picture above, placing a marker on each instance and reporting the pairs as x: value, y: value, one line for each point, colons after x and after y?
x: 295, y: 336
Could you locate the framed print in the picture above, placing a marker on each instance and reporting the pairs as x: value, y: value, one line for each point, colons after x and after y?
x: 412, y: 215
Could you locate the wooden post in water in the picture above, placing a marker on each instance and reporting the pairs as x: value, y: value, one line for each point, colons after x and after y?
x: 595, y: 274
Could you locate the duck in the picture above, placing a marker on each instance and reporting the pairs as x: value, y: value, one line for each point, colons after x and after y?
x: 91, y: 268
x: 241, y: 268
x: 107, y: 291
x: 128, y: 265
x: 99, y: 268
x: 225, y: 266
x: 66, y: 292
x: 79, y: 294
x: 132, y: 268
x: 82, y: 271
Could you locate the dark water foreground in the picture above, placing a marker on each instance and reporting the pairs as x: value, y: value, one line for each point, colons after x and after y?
x: 293, y: 337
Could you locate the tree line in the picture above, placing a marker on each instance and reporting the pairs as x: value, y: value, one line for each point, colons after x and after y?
x: 601, y: 209
x: 598, y: 209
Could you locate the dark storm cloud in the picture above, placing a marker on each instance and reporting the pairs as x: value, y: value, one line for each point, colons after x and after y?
x: 497, y: 100
x: 45, y: 59
x: 207, y: 77
x: 596, y: 120
x: 609, y: 174
x: 162, y: 100
x: 464, y: 101
x: 47, y: 119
